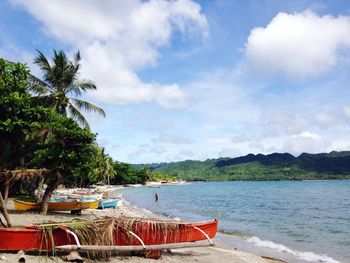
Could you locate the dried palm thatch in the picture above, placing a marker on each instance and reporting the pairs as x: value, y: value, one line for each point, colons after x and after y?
x: 14, y: 176
x: 102, y: 232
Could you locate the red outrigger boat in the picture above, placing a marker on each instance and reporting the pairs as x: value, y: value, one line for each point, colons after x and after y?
x: 140, y: 235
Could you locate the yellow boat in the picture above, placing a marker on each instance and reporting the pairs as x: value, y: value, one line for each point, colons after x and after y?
x: 56, y: 206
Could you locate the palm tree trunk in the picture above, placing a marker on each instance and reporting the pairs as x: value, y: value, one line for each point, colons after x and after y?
x: 50, y: 188
x: 7, y: 187
x: 3, y: 209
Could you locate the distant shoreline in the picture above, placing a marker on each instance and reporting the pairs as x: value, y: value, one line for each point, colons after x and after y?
x: 260, y: 167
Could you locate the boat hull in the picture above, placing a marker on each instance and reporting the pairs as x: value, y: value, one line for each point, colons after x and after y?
x: 109, y: 203
x: 32, y: 239
x: 35, y: 238
x: 56, y: 206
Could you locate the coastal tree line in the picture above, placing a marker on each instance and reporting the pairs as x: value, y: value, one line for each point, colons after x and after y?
x: 275, y: 166
x: 43, y: 130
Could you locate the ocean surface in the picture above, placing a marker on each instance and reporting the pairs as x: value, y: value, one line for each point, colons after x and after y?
x: 299, y: 221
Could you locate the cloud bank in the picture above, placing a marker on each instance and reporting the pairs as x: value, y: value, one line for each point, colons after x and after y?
x: 298, y: 45
x: 118, y: 38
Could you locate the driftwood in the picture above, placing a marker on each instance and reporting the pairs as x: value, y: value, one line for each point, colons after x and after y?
x: 86, y: 248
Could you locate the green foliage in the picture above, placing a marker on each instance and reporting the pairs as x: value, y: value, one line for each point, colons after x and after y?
x: 158, y: 176
x: 126, y: 174
x: 70, y: 149
x: 103, y: 167
x: 34, y: 136
x: 140, y: 174
x: 335, y: 165
x: 20, y: 117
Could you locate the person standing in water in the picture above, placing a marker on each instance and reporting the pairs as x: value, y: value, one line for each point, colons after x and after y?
x: 156, y: 197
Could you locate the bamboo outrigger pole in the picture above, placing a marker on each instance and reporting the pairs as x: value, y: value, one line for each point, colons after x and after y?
x: 139, y: 248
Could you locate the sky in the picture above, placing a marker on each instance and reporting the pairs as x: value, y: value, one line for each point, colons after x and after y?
x: 190, y: 79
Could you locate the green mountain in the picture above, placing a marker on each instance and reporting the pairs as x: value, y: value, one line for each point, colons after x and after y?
x: 276, y: 166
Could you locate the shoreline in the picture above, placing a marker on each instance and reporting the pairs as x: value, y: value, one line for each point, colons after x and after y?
x: 204, y: 254
x: 228, y: 241
x: 244, y: 237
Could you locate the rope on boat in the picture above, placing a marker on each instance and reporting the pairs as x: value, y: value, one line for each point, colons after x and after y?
x: 205, y: 234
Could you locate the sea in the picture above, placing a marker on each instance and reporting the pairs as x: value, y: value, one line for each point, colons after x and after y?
x: 297, y: 221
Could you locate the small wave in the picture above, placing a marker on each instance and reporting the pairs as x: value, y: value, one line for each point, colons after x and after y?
x: 307, y: 256
x: 233, y: 233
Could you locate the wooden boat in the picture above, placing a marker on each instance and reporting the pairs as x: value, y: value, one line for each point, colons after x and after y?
x: 129, y: 234
x: 109, y: 203
x: 75, y: 197
x: 56, y: 206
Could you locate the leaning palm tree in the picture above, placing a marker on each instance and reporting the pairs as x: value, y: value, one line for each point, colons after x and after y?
x: 60, y: 81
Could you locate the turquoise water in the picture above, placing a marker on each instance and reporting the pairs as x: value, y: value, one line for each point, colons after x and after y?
x: 292, y: 217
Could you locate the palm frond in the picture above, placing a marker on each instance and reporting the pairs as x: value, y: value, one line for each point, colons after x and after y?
x: 77, y: 59
x: 82, y: 85
x: 45, y: 66
x: 76, y: 114
x: 37, y: 86
x: 42, y: 61
x: 87, y: 106
x: 62, y: 70
x: 86, y: 85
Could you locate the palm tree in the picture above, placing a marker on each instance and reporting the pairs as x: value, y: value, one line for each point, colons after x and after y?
x: 60, y: 80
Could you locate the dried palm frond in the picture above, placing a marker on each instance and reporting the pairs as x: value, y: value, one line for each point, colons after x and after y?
x: 13, y: 176
x: 109, y: 231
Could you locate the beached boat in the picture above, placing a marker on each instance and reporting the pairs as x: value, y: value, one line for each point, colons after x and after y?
x: 56, y: 206
x: 128, y: 234
x: 109, y: 203
x: 76, y: 197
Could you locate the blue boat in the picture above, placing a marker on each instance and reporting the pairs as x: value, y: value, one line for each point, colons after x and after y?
x: 109, y: 203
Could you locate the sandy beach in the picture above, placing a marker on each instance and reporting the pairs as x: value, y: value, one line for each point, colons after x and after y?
x: 207, y: 254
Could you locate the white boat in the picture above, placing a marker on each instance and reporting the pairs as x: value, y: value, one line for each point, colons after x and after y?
x: 182, y: 182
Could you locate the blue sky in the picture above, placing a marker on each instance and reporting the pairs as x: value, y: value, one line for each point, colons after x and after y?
x: 188, y: 79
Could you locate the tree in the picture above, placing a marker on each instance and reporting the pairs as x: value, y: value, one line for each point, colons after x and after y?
x: 60, y: 81
x: 104, y: 169
x: 70, y: 153
x: 20, y: 119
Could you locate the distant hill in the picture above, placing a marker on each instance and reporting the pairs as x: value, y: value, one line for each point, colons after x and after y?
x: 275, y: 166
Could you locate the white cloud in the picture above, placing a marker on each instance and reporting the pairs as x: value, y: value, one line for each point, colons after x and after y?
x: 117, y: 38
x: 306, y: 142
x: 298, y: 45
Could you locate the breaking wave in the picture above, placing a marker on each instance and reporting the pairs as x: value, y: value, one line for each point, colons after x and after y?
x: 307, y: 256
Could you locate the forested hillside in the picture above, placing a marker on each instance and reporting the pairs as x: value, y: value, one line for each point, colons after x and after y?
x: 276, y: 166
